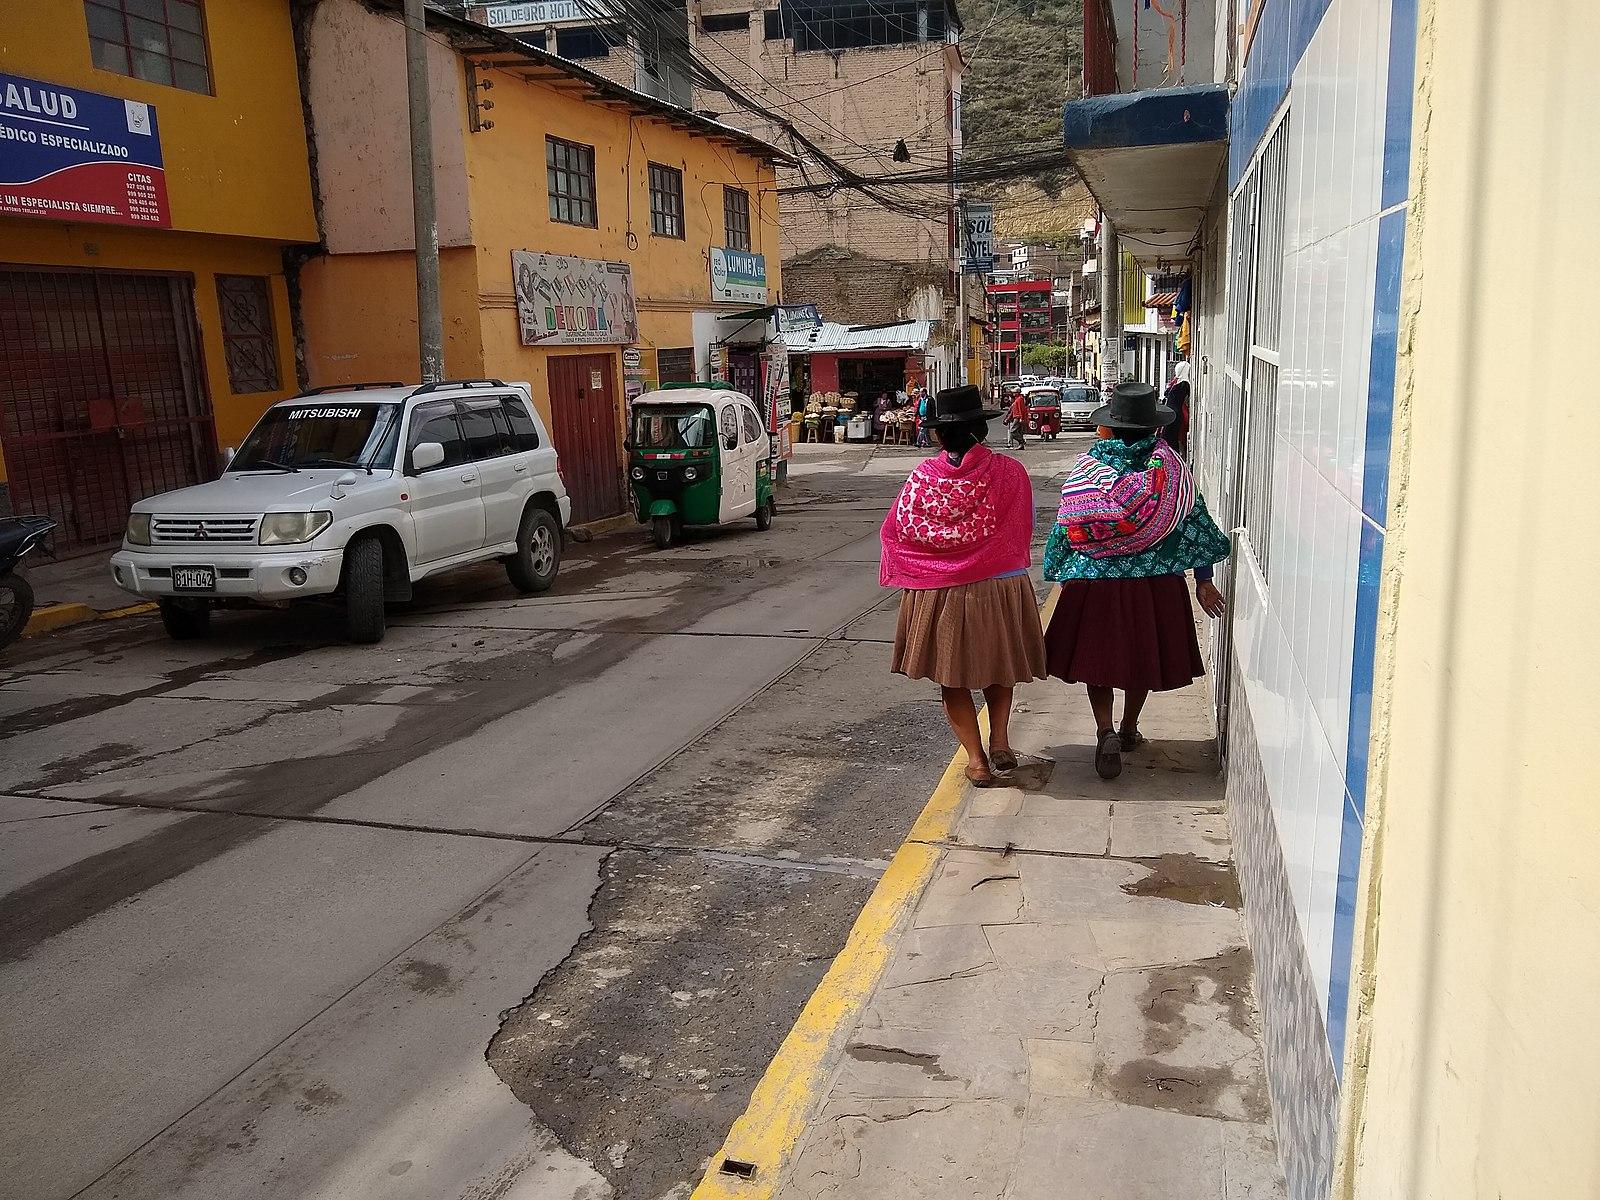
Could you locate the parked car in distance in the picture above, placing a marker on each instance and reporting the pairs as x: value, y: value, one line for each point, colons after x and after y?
x: 1078, y: 402
x: 356, y: 492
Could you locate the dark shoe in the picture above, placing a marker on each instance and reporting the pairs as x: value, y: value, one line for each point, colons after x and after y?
x: 1108, y: 755
x: 1003, y: 760
x: 979, y: 776
x: 1131, y: 739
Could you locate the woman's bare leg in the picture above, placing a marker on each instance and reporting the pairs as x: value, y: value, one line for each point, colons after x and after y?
x: 963, y: 718
x: 998, y: 698
x: 1132, y: 706
x: 1102, y: 700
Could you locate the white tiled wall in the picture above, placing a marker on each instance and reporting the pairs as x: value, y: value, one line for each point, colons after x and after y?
x: 1296, y: 627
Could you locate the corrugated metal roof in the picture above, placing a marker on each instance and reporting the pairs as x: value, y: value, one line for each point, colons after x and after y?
x: 832, y: 338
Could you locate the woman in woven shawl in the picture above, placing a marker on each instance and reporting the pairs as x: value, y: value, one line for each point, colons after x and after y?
x: 958, y: 541
x: 1131, y: 523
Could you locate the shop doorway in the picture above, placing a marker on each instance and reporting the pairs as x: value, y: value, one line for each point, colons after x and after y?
x: 584, y: 423
x: 870, y: 378
x: 101, y: 396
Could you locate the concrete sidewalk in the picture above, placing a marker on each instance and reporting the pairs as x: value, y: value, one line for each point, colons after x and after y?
x: 1066, y: 1006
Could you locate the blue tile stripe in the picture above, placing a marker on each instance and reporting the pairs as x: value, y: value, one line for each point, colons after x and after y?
x: 1374, y: 501
x: 1283, y: 31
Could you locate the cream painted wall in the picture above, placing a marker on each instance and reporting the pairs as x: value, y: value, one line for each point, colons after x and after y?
x: 356, y: 84
x: 1472, y: 1068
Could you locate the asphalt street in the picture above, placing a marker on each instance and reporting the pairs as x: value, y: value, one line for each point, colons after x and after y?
x: 518, y: 903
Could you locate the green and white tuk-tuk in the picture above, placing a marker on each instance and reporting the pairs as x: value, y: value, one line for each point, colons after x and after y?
x: 698, y: 454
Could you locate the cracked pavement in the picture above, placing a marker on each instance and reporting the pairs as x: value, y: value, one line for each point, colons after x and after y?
x: 517, y: 904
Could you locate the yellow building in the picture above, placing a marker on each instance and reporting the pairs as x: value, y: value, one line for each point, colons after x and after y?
x: 152, y: 175
x: 549, y: 181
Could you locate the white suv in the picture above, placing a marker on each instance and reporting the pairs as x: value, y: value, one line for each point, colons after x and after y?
x: 358, y: 491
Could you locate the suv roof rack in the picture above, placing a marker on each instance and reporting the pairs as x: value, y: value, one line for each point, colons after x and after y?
x: 349, y: 387
x: 441, y: 384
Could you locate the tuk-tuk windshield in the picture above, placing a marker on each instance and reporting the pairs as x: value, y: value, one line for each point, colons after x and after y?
x: 690, y: 427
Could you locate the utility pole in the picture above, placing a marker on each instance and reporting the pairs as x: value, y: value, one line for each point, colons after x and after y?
x: 430, y: 320
x: 1110, y: 308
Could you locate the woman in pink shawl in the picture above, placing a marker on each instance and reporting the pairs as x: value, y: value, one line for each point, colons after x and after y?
x: 959, y: 542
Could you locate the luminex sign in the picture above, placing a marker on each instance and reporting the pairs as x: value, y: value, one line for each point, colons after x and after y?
x: 738, y: 277
x: 71, y: 155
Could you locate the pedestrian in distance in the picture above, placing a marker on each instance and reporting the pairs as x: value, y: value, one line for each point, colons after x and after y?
x: 1131, y: 523
x: 958, y: 542
x: 1176, y: 433
x: 1017, y: 418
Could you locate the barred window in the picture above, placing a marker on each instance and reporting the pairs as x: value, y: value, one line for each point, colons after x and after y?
x: 163, y: 41
x: 736, y: 218
x: 248, y: 344
x: 666, y: 201
x: 570, y: 167
x: 675, y: 366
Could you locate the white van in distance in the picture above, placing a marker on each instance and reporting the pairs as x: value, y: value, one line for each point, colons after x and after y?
x: 356, y: 491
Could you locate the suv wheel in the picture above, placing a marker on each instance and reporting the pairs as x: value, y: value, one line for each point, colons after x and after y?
x: 185, y: 620
x: 363, y: 591
x: 533, y: 567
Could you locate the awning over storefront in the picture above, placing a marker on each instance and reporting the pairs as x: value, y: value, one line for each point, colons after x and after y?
x: 1162, y: 300
x: 831, y: 338
x: 1151, y: 159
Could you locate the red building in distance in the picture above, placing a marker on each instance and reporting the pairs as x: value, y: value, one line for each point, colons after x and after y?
x: 1019, y: 315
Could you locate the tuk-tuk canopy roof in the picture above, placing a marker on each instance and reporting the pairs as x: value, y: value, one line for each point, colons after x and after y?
x: 680, y: 395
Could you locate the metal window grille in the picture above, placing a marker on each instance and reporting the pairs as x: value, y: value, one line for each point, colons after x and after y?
x: 736, y: 217
x: 666, y: 201
x: 675, y: 366
x: 163, y: 41
x: 248, y: 343
x: 569, y: 167
x: 101, y: 396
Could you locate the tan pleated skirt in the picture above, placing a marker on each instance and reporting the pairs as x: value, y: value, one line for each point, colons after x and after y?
x: 974, y: 636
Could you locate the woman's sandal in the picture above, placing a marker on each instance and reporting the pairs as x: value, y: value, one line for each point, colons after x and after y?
x: 1132, y: 739
x: 1108, y: 755
x: 979, y: 776
x: 1003, y: 760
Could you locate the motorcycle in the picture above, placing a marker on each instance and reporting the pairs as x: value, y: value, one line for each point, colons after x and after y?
x: 18, y: 537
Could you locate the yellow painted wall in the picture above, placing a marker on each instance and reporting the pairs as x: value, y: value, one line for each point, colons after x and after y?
x: 238, y: 180
x: 1472, y: 1065
x: 235, y: 161
x: 360, y: 309
x: 360, y: 316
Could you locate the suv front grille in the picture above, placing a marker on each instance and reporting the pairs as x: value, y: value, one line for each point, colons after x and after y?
x: 166, y: 531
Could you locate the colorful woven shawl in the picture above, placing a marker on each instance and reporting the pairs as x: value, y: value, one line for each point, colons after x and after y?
x: 1108, y: 509
x: 956, y: 524
x: 1161, y: 528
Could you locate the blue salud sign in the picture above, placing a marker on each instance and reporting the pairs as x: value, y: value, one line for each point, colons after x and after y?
x: 71, y: 155
x: 738, y: 276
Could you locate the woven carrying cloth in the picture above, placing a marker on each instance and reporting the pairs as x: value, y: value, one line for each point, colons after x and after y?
x: 1131, y: 512
x: 1108, y: 511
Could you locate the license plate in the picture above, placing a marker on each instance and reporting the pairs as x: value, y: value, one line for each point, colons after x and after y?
x: 194, y: 579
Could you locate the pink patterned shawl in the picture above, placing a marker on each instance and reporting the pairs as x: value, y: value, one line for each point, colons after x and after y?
x: 953, y: 525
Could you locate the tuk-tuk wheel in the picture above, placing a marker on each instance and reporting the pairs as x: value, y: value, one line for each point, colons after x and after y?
x: 662, y: 529
x: 764, y: 517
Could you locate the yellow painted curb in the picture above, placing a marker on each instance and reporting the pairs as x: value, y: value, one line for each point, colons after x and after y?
x: 767, y: 1133
x: 132, y: 610
x: 57, y: 616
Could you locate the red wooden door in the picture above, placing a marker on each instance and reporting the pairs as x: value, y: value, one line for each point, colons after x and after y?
x: 101, y: 397
x: 583, y: 420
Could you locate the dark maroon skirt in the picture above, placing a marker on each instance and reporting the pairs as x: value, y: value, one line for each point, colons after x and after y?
x: 1124, y: 633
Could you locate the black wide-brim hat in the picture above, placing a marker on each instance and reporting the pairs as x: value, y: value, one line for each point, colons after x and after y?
x: 957, y: 406
x: 1133, y: 406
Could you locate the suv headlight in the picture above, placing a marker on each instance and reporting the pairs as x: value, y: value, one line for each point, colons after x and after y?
x: 288, y: 529
x: 138, y: 529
